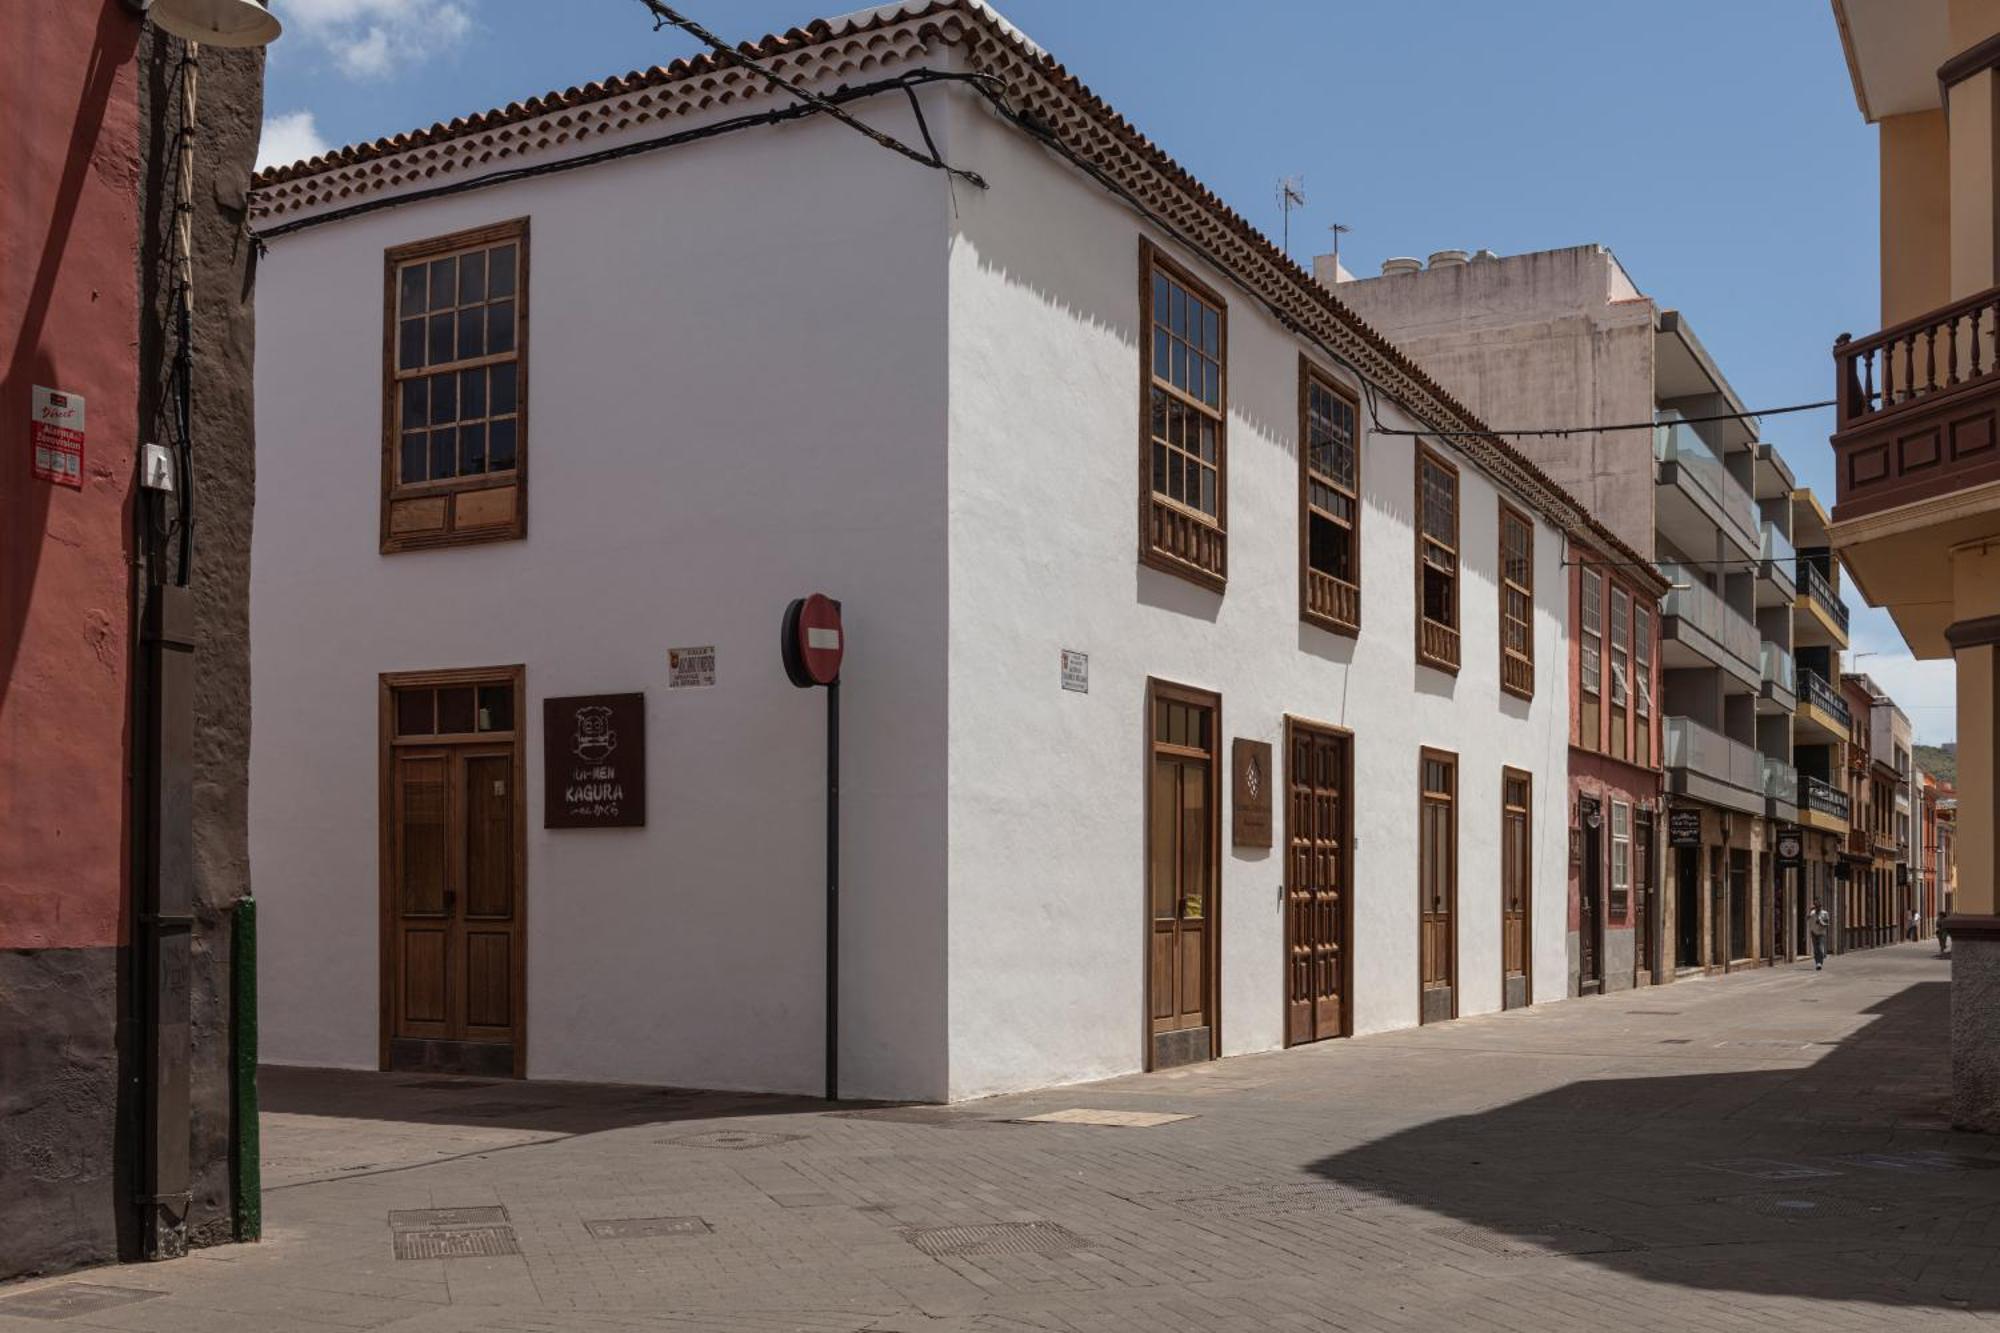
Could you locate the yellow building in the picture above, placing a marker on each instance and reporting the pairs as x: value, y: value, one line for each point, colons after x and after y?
x: 1916, y: 447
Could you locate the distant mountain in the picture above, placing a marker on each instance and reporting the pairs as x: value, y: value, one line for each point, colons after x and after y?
x: 1940, y: 761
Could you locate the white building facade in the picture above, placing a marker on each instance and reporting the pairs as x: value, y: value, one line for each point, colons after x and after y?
x: 1094, y: 475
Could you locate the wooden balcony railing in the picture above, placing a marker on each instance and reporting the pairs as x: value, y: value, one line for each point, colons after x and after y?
x: 1185, y: 545
x: 1437, y: 645
x: 1918, y: 408
x: 1517, y: 674
x: 1333, y: 602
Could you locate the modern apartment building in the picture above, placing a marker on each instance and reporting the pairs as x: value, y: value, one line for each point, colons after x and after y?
x: 1916, y: 443
x: 1565, y: 336
x: 1822, y: 723
x: 1148, y: 613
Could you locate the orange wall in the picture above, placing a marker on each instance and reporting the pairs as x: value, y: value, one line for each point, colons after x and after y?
x: 69, y: 231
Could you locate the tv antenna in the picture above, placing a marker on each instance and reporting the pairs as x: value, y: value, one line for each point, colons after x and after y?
x: 1339, y: 229
x: 1291, y: 195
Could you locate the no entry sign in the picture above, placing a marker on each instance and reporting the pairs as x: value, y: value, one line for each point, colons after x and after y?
x: 813, y: 641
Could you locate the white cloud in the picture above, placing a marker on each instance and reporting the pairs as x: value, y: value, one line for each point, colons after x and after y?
x: 370, y: 39
x: 1926, y: 690
x: 292, y: 137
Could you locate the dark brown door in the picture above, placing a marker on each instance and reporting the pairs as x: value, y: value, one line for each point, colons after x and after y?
x: 1316, y: 879
x: 453, y: 969
x: 1643, y: 895
x: 1516, y: 889
x: 1181, y: 874
x: 1437, y: 887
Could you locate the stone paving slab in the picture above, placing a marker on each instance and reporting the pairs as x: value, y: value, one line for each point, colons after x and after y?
x: 1764, y: 1150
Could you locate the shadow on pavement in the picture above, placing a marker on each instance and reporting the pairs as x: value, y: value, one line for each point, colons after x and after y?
x: 1837, y: 1180
x: 507, y: 1104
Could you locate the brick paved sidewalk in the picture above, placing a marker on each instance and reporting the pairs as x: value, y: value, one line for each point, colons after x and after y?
x: 1765, y: 1150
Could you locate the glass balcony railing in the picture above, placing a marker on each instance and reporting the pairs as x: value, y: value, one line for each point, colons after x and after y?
x: 1778, y: 549
x: 1814, y: 689
x: 1699, y: 605
x: 1781, y: 780
x: 1825, y: 798
x: 1815, y: 585
x: 1681, y: 442
x: 1692, y: 746
x: 1778, y: 668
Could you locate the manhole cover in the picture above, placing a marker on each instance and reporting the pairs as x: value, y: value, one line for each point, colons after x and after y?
x: 417, y: 1218
x: 1766, y: 1168
x: 457, y: 1243
x: 1805, y: 1208
x: 1253, y: 1200
x: 994, y: 1238
x: 639, y: 1228
x: 67, y: 1302
x: 1531, y: 1243
x: 734, y: 1138
x: 1110, y: 1119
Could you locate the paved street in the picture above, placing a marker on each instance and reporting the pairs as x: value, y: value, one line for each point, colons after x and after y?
x: 1764, y: 1150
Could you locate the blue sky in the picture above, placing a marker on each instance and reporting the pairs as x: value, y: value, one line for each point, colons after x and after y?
x: 1713, y: 144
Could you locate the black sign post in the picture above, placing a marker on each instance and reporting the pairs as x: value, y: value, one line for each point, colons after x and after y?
x: 812, y: 643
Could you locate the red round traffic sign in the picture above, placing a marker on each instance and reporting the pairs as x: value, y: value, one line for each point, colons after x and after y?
x: 815, y: 641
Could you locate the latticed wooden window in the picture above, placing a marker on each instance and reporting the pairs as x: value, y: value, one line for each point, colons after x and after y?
x: 1621, y: 670
x: 1642, y: 685
x: 1517, y: 602
x: 1590, y: 653
x: 1330, y: 471
x: 1437, y: 561
x: 456, y: 374
x: 1185, y: 411
x: 1621, y: 859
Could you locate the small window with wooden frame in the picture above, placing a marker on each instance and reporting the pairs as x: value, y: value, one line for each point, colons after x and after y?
x: 1437, y: 561
x: 1183, y: 413
x: 1517, y: 602
x: 1590, y: 664
x: 1329, y: 503
x: 455, y: 389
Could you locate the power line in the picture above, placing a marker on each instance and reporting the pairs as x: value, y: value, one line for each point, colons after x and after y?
x: 665, y: 15
x: 1630, y: 425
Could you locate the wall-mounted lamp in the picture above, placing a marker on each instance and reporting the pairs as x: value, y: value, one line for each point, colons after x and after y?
x: 213, y: 22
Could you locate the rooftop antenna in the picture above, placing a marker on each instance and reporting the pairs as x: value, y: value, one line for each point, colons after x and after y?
x: 1339, y: 229
x: 1291, y: 195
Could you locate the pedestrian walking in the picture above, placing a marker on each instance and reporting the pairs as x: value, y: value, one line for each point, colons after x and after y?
x: 1817, y: 924
x: 1916, y: 921
x: 1944, y: 934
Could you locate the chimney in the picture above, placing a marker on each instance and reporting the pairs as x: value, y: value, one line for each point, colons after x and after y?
x: 1403, y: 264
x: 1448, y: 258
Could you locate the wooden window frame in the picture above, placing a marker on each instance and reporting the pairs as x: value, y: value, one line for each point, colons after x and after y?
x: 1590, y: 701
x: 1508, y: 773
x: 1173, y: 537
x: 1645, y: 624
x: 1618, y: 735
x: 1438, y: 643
x: 1427, y: 754
x: 1517, y: 670
x: 1156, y: 690
x: 387, y: 743
x: 431, y: 514
x: 1619, y: 909
x: 1335, y: 608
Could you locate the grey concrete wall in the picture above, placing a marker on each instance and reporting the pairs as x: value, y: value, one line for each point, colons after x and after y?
x: 1549, y: 338
x: 1620, y: 958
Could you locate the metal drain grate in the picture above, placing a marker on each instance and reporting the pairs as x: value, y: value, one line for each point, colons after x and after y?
x: 1804, y: 1208
x: 67, y: 1302
x: 734, y: 1138
x: 457, y: 1243
x: 994, y: 1238
x: 641, y: 1228
x: 419, y: 1218
x: 1532, y: 1244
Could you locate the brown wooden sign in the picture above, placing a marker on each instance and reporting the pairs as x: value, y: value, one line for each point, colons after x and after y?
x: 1250, y: 793
x: 594, y: 753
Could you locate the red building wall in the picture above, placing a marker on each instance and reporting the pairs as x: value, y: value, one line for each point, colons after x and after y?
x: 69, y: 311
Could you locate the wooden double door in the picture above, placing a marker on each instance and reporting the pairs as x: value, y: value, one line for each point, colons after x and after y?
x: 1183, y: 836
x: 1517, y: 872
x: 453, y: 895
x: 1318, y: 871
x: 1437, y: 887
